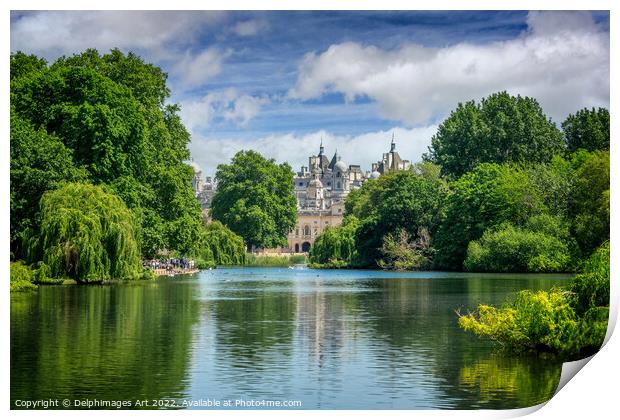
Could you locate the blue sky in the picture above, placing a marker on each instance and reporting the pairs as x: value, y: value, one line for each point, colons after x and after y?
x: 278, y: 82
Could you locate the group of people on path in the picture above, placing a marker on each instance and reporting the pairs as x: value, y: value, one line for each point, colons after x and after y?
x: 170, y: 265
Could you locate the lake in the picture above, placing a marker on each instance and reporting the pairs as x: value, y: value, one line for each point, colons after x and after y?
x: 330, y: 339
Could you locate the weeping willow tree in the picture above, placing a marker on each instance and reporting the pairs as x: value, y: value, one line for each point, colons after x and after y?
x: 221, y: 245
x: 86, y: 234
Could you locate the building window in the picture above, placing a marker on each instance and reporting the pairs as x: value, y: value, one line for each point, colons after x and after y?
x: 301, y: 184
x: 296, y: 247
x: 329, y: 184
x: 337, y: 185
x: 327, y: 223
x: 306, y: 229
x: 338, y: 174
x: 339, y: 210
x: 296, y: 232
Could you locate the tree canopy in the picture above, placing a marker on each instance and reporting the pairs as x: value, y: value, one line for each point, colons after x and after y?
x: 102, y: 119
x: 500, y: 129
x: 87, y: 234
x: 255, y: 199
x: 398, y: 200
x: 587, y: 129
x: 489, y: 195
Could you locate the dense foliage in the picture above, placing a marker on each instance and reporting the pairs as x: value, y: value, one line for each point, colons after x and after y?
x: 221, y: 246
x: 22, y: 277
x: 101, y: 119
x: 87, y: 234
x: 486, y: 197
x: 520, y: 201
x: 335, y: 247
x: 589, y: 200
x: 573, y: 322
x: 542, y: 245
x: 500, y: 129
x: 404, y: 200
x: 587, y: 129
x: 255, y: 199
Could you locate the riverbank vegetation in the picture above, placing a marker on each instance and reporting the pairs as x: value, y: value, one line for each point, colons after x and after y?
x: 571, y: 322
x: 90, y: 127
x: 501, y: 190
x: 257, y: 260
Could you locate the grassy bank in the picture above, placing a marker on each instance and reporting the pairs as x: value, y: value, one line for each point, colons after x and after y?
x: 254, y: 260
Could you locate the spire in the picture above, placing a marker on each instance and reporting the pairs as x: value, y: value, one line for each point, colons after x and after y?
x: 321, y: 149
x: 393, y: 145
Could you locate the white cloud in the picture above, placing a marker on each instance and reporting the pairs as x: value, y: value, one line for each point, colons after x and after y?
x: 54, y: 33
x: 195, y: 70
x: 355, y: 150
x: 229, y: 105
x: 250, y: 27
x: 562, y: 60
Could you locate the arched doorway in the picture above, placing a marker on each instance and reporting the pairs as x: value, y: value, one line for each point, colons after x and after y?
x: 296, y: 247
x: 305, y: 247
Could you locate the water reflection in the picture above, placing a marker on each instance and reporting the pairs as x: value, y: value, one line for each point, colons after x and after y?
x: 108, y: 342
x: 332, y: 339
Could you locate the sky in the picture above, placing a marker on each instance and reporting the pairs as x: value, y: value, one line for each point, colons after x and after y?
x: 280, y: 82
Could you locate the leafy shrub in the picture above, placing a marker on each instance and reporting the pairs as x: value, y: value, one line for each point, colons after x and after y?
x: 21, y: 277
x: 591, y: 287
x: 541, y: 246
x: 402, y: 252
x: 573, y: 323
x: 43, y: 275
x: 536, y: 320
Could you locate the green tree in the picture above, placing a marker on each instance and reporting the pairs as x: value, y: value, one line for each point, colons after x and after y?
x: 397, y: 200
x: 589, y: 201
x: 87, y: 234
x: 39, y: 161
x: 255, y: 199
x: 109, y: 112
x: 401, y: 252
x: 22, y: 64
x: 587, y: 129
x: 221, y: 245
x: 486, y: 197
x: 500, y: 129
x: 335, y: 247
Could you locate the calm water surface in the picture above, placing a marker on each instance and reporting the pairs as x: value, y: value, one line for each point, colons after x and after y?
x: 330, y: 339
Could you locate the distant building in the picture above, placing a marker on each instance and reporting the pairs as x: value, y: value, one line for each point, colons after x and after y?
x: 391, y: 161
x: 203, y: 190
x: 320, y: 189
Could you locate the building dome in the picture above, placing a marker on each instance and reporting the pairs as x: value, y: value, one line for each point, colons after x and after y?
x: 341, y: 166
x: 375, y: 175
